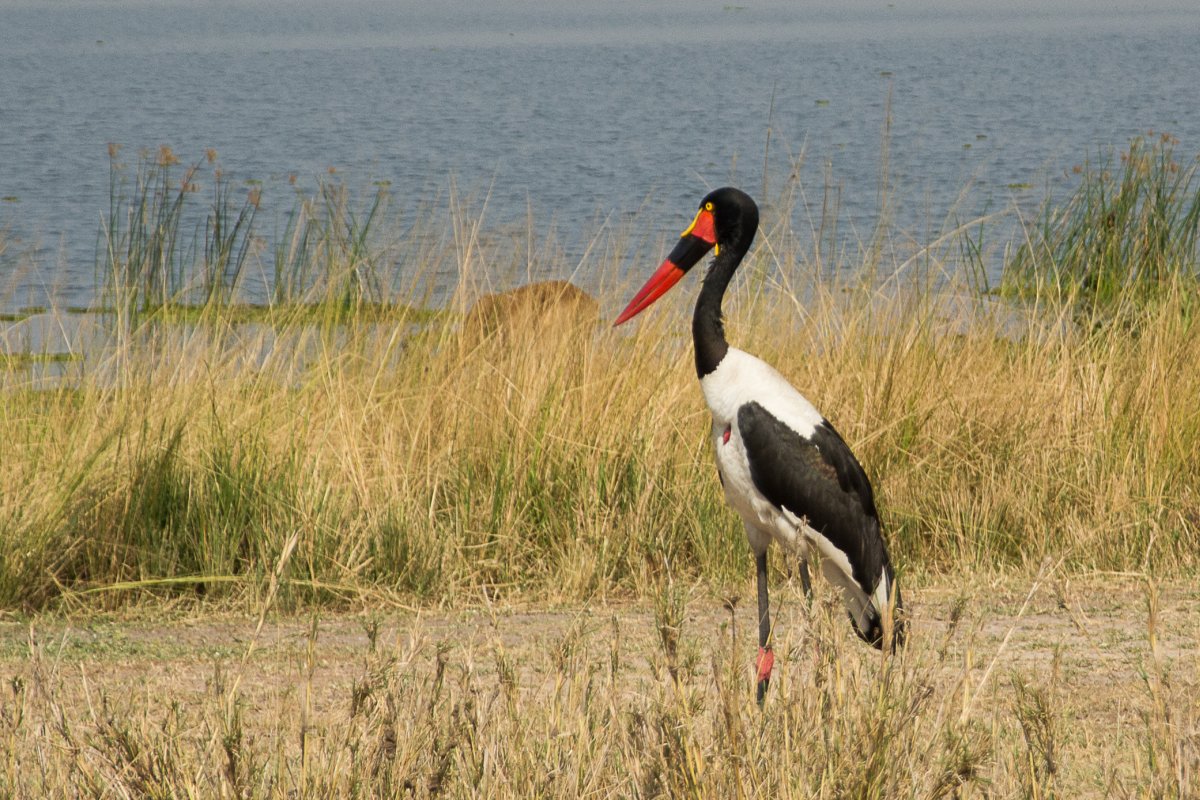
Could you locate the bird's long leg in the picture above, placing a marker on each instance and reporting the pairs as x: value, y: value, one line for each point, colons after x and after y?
x: 766, y: 659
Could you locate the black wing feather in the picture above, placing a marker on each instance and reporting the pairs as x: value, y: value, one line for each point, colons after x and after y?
x: 819, y: 479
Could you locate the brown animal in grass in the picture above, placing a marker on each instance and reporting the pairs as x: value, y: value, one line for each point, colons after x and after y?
x: 531, y: 310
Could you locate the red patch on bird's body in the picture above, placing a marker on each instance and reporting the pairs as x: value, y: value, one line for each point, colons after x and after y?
x: 725, y: 435
x: 766, y: 660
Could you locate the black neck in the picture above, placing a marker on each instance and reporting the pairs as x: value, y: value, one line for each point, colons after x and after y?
x: 734, y: 238
x: 708, y: 327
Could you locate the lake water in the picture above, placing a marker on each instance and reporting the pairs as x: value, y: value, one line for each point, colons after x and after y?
x: 572, y: 112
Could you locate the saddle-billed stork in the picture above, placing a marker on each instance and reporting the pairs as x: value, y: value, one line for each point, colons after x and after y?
x: 784, y: 469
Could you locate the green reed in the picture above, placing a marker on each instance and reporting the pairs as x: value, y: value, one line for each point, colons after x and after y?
x: 1128, y: 230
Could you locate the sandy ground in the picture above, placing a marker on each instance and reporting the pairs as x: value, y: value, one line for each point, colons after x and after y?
x: 1098, y: 625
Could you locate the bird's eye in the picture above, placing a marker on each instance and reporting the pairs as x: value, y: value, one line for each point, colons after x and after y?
x: 708, y: 206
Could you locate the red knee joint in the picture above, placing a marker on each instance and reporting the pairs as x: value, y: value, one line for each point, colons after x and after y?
x: 766, y: 660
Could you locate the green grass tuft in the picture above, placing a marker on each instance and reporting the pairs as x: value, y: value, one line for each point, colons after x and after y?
x: 1127, y: 233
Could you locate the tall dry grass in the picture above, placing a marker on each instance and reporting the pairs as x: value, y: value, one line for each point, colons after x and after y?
x: 570, y: 464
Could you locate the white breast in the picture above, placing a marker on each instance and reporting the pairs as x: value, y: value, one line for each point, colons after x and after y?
x: 741, y: 378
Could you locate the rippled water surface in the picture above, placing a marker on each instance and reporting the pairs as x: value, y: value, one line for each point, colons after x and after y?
x: 571, y: 112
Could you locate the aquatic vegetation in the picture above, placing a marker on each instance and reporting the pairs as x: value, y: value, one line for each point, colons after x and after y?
x: 162, y: 250
x: 1127, y: 233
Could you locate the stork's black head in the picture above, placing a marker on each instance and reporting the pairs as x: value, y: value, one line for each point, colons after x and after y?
x: 727, y: 218
x: 735, y: 215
